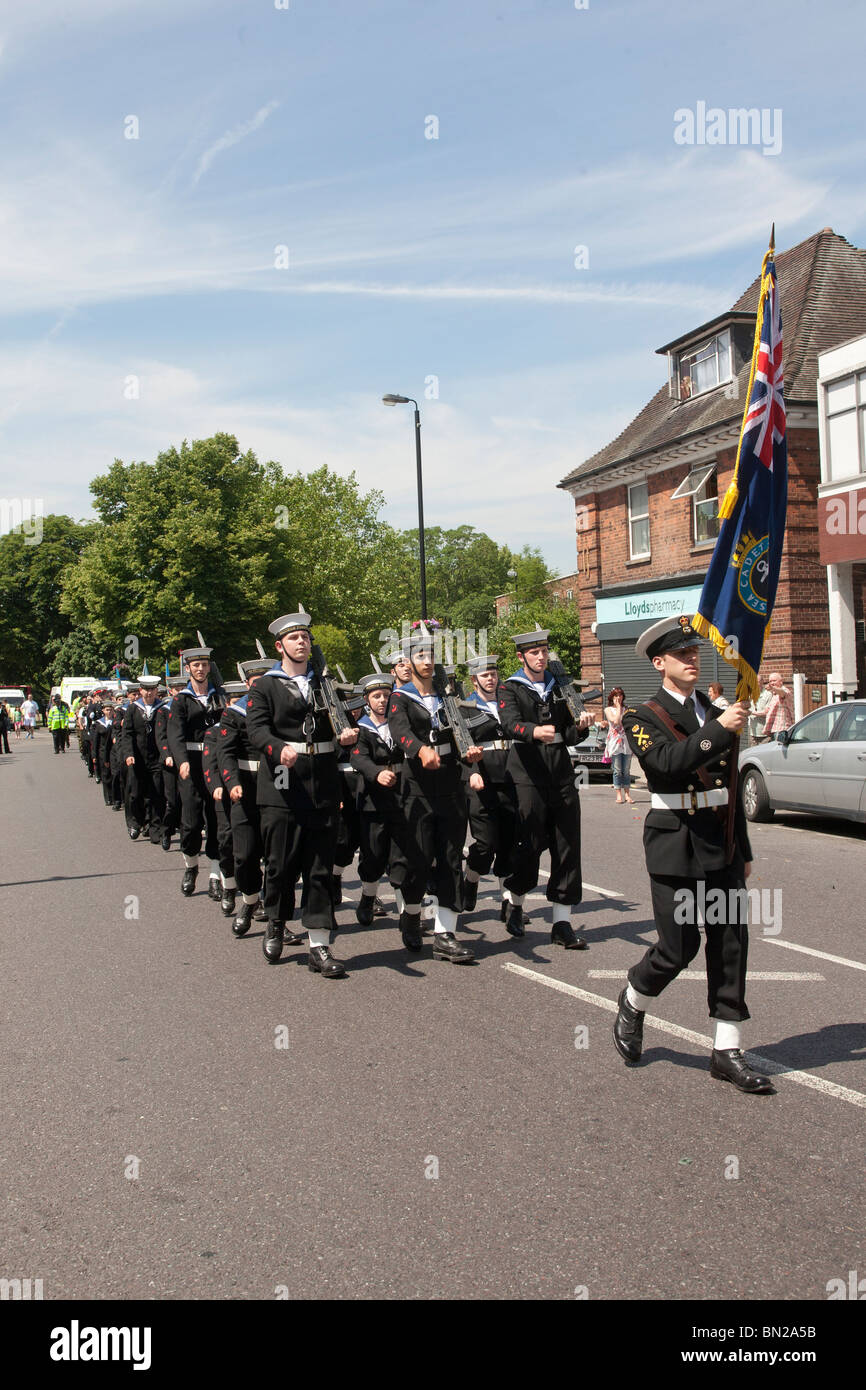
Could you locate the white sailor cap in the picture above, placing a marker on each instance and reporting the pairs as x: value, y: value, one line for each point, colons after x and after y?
x: 477, y: 664
x: 540, y: 637
x: 377, y: 680
x: 235, y: 687
x: 254, y: 667
x: 196, y: 654
x: 667, y: 635
x: 148, y: 682
x: 290, y: 622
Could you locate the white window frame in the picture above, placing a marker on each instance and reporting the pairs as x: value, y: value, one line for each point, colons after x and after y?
x: 693, y: 481
x: 858, y: 410
x: 697, y: 500
x: 693, y: 351
x: 640, y: 516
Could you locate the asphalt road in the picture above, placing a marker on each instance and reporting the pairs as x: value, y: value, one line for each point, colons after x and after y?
x: 146, y: 1044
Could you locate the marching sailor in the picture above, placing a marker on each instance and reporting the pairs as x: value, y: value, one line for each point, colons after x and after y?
x: 168, y: 771
x: 684, y: 746
x: 492, y: 814
x: 383, y: 825
x: 298, y: 792
x: 239, y: 766
x: 145, y: 804
x: 539, y: 723
x: 434, y: 804
x: 195, y: 708
x: 227, y: 895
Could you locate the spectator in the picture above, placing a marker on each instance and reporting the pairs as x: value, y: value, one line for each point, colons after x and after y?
x: 780, y: 706
x: 16, y: 720
x: 717, y: 696
x: 616, y: 747
x: 29, y: 711
x: 4, y: 728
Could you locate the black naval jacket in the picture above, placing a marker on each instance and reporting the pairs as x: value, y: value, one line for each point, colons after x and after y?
x: 160, y: 721
x: 277, y: 714
x: 685, y: 843
x: 187, y: 720
x: 494, y: 765
x: 235, y: 748
x: 522, y: 710
x: 138, y: 735
x: 370, y: 756
x: 100, y: 729
x: 411, y: 726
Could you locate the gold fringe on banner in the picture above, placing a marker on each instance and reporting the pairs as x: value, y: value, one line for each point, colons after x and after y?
x: 732, y: 495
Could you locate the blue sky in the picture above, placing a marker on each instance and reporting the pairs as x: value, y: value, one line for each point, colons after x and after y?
x: 408, y: 257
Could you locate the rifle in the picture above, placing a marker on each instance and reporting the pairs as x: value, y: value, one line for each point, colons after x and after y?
x: 457, y: 721
x: 575, y: 699
x: 324, y: 695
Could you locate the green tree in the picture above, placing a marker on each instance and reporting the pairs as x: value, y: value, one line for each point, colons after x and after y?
x: 561, y: 620
x: 32, y: 573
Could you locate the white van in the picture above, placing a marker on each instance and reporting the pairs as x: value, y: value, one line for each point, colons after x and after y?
x: 11, y: 695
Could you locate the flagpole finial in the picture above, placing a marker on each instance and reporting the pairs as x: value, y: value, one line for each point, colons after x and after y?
x: 773, y: 237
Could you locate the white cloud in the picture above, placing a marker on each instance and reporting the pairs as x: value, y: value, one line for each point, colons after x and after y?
x: 233, y: 137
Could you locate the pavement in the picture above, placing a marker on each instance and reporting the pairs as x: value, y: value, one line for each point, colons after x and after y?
x: 183, y: 1121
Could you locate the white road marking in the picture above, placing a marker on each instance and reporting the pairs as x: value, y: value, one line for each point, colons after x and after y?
x: 764, y: 1064
x: 702, y: 975
x: 810, y: 951
x: 593, y: 887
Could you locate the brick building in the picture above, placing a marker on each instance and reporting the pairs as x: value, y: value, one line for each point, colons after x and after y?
x: 646, y: 505
x: 562, y: 590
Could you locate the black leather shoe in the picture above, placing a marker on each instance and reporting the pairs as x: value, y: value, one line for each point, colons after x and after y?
x: 134, y: 832
x: 365, y: 909
x: 321, y: 962
x: 410, y: 930
x: 272, y: 942
x: 227, y: 901
x: 628, y: 1031
x: 563, y: 934
x: 259, y: 914
x: 379, y: 908
x: 447, y: 947
x: 187, y: 885
x: 513, y: 919
x: 166, y: 840
x: 470, y: 895
x: 243, y: 921
x: 214, y: 888
x: 292, y: 938
x: 729, y: 1064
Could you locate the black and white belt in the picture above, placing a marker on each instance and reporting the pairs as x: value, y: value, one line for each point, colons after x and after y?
x: 689, y: 801
x: 311, y: 748
x: 248, y: 765
x: 195, y: 747
x: 499, y: 744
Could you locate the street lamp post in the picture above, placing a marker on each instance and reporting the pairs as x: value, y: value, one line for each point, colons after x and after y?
x: 407, y: 400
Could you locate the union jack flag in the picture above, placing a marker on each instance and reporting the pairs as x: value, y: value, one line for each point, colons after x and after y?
x: 739, y: 591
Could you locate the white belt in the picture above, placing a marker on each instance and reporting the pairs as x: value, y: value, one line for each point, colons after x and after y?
x: 689, y: 801
x: 247, y: 765
x: 195, y: 747
x: 311, y: 747
x: 500, y: 744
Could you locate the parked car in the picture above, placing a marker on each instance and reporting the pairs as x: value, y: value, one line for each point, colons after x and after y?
x: 818, y: 765
x: 590, y: 753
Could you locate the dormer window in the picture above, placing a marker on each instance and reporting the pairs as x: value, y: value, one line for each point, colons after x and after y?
x: 699, y: 368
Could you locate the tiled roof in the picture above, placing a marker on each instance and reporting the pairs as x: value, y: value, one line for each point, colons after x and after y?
x: 822, y: 286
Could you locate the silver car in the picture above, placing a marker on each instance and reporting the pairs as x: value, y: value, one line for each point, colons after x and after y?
x: 818, y: 765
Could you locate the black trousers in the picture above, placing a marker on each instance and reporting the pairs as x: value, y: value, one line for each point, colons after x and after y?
x: 493, y: 824
x: 294, y: 851
x: 171, y: 797
x: 57, y: 736
x: 727, y: 942
x: 247, y: 842
x: 547, y: 818
x: 434, y: 838
x: 197, y: 812
x: 4, y: 739
x: 383, y: 849
x: 145, y: 803
x: 226, y: 854
x: 348, y: 826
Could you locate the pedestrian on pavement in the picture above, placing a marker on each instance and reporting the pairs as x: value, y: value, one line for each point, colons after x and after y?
x: 5, y: 721
x: 780, y: 708
x: 16, y: 720
x: 616, y: 747
x: 717, y: 695
x: 683, y: 744
x: 29, y: 711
